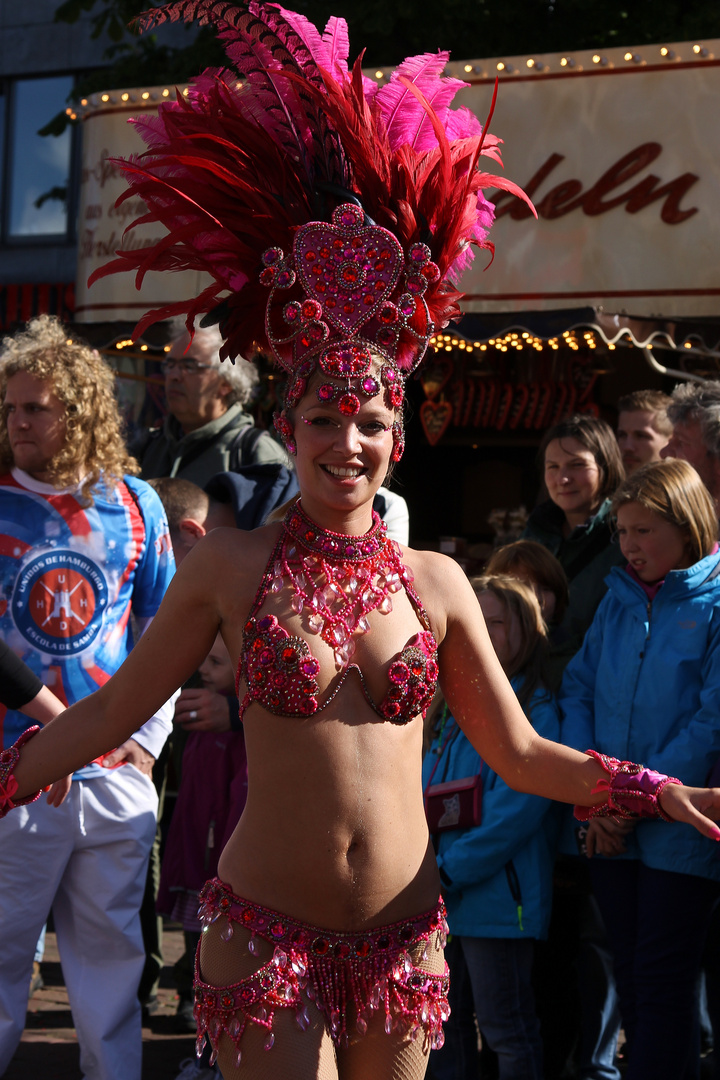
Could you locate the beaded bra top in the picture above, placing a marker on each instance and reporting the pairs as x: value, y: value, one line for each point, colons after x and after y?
x: 336, y: 581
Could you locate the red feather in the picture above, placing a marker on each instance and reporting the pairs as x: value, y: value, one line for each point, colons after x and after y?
x: 230, y: 172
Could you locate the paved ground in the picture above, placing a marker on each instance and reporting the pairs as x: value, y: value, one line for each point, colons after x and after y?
x: 49, y: 1049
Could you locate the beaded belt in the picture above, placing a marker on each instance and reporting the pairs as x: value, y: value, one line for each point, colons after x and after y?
x: 371, y: 971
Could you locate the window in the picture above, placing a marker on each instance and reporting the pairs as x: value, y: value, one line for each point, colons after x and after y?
x: 37, y: 177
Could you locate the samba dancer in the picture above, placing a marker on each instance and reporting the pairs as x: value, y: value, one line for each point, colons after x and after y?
x: 338, y: 209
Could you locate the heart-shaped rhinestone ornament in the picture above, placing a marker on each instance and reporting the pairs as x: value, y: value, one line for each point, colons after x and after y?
x: 350, y: 274
x: 351, y: 269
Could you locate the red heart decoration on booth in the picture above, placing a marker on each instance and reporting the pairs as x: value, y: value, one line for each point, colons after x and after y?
x: 435, y: 417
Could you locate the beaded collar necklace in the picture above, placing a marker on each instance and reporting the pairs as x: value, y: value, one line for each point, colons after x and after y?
x: 336, y: 578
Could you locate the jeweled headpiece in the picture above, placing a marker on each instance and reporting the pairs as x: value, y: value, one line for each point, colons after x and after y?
x: 333, y: 215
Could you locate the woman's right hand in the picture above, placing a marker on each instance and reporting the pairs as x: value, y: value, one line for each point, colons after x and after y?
x: 606, y: 836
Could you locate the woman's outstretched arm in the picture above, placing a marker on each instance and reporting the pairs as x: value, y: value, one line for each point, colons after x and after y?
x: 482, y: 700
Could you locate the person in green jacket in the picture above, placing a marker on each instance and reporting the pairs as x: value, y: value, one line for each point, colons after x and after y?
x: 207, y: 429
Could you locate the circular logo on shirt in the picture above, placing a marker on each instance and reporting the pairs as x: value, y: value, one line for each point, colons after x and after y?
x: 58, y: 602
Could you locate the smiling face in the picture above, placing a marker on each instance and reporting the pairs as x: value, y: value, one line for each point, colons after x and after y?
x: 341, y: 460
x: 651, y: 545
x: 36, y: 421
x: 503, y: 627
x: 573, y: 479
x: 216, y: 670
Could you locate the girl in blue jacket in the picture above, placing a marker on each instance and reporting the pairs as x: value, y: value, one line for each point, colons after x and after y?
x: 497, y: 876
x: 646, y: 685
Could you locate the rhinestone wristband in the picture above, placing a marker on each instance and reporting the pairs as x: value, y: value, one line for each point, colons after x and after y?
x: 633, y: 791
x: 8, y: 784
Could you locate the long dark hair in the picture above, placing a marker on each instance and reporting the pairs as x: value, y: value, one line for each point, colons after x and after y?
x: 596, y: 436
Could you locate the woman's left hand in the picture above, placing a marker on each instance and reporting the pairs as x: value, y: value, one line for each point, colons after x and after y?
x: 699, y: 807
x: 202, y: 710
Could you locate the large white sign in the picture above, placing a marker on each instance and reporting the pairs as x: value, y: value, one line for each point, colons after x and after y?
x: 106, y: 135
x: 619, y: 153
x: 620, y: 157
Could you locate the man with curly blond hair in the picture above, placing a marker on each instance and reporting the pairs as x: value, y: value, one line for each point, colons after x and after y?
x: 83, y: 544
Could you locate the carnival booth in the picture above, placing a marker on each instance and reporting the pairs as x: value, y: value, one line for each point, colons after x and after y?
x: 613, y: 288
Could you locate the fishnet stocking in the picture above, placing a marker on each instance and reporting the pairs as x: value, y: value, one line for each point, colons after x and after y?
x: 306, y: 1055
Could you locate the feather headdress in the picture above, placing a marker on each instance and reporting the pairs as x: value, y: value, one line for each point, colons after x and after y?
x: 328, y: 211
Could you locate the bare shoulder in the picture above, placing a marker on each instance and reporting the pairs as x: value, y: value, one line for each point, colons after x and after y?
x: 442, y: 586
x: 252, y: 547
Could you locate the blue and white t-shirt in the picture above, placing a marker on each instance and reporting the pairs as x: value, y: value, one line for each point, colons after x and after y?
x: 70, y: 574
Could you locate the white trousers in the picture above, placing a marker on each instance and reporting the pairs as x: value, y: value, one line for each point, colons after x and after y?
x: 87, y: 860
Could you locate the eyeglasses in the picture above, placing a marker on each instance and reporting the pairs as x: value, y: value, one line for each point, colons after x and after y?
x: 185, y: 364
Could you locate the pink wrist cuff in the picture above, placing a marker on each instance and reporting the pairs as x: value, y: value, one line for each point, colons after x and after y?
x: 8, y: 784
x: 633, y: 791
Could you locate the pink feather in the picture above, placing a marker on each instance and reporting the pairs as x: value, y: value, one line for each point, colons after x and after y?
x: 406, y: 120
x: 337, y: 42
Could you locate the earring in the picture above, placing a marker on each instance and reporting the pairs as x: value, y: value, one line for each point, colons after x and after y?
x: 286, y: 432
x: 398, y: 437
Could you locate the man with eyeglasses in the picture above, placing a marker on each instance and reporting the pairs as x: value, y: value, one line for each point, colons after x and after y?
x: 207, y: 429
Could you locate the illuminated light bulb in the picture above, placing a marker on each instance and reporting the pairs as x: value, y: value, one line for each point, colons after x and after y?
x: 468, y: 68
x: 611, y: 346
x: 125, y: 97
x: 632, y: 57
x: 448, y: 348
x: 453, y: 341
x: 476, y: 344
x: 83, y: 101
x: 687, y: 345
x: 378, y: 74
x: 143, y: 348
x: 483, y: 348
x: 105, y: 97
x: 501, y: 66
x: 166, y: 93
x: 167, y: 348
x: 186, y: 91
x: 598, y: 59
x: 145, y: 95
x: 530, y: 63
x: 669, y: 54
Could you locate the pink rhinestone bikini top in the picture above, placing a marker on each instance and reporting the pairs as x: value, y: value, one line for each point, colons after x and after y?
x: 337, y: 579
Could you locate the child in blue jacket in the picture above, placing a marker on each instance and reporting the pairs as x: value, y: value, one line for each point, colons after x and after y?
x: 646, y: 685
x: 497, y: 875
